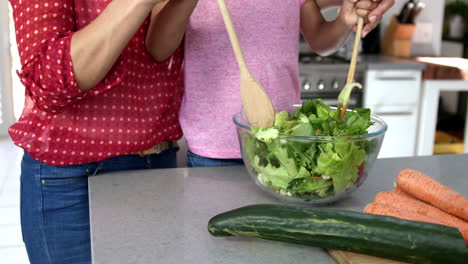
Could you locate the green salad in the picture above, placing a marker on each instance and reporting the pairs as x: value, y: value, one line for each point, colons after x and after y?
x: 309, y: 168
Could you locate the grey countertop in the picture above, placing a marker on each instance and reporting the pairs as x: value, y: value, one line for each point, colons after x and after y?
x: 160, y: 216
x: 379, y: 62
x: 366, y: 62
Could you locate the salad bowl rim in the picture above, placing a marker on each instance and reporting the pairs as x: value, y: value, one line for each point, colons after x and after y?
x: 374, y: 118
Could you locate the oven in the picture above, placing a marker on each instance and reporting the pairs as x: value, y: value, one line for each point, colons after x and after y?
x: 324, y: 77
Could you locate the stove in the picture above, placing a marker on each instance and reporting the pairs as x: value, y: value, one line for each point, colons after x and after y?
x: 316, y: 59
x: 324, y: 77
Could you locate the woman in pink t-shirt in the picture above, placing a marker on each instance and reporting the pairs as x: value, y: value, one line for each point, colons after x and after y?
x: 269, y: 34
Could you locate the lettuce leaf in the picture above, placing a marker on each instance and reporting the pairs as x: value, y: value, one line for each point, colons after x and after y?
x: 340, y: 161
x: 319, y: 187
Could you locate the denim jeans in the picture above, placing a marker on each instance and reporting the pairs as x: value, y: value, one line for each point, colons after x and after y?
x: 194, y: 160
x: 55, y: 208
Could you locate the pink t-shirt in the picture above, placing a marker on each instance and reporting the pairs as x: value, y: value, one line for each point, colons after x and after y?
x: 268, y: 31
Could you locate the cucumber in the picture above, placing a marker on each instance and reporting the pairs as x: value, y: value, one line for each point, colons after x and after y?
x: 381, y: 236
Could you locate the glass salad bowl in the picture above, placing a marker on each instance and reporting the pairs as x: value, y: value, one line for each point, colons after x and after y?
x: 309, y: 156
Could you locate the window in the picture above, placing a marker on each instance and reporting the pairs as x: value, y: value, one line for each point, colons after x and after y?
x: 17, y: 86
x: 11, y: 100
x: 6, y: 97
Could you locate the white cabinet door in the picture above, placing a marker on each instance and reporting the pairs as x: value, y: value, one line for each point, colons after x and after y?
x: 394, y: 96
x: 400, y: 138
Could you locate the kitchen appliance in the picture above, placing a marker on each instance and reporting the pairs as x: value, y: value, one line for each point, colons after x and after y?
x: 324, y: 77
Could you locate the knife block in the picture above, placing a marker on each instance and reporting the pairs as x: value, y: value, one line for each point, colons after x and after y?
x: 397, y: 39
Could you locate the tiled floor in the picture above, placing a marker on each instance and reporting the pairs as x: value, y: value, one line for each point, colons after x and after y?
x: 12, y: 249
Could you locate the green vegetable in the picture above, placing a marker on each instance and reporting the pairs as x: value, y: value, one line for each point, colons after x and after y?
x: 345, y: 94
x: 377, y: 235
x: 304, y: 168
x: 341, y: 160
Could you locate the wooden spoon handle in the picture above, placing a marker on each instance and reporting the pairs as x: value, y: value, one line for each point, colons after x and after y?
x: 233, y: 36
x: 357, y: 41
x: 352, y: 68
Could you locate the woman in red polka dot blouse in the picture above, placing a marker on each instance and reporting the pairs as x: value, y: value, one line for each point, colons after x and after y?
x: 96, y: 101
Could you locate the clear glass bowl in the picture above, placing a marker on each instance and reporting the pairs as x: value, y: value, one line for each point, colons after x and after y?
x: 370, y: 143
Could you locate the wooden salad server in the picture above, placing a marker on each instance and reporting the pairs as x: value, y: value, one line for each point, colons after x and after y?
x: 255, y: 101
x: 343, y: 97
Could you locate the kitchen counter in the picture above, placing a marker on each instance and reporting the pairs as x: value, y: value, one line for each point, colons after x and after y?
x: 379, y: 62
x: 160, y: 216
x: 444, y: 68
x: 443, y: 74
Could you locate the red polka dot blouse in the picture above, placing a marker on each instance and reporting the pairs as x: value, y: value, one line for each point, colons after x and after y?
x: 134, y: 108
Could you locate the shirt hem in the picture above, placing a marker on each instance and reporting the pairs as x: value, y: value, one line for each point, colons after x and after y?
x: 216, y: 154
x: 87, y: 159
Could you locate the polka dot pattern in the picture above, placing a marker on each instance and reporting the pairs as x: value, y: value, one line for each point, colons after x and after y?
x: 132, y: 109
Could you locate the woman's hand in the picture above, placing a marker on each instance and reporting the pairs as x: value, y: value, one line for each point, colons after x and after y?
x: 376, y: 15
x: 370, y: 10
x: 352, y: 9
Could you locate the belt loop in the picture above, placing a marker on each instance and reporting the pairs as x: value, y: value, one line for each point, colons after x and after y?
x: 98, y: 168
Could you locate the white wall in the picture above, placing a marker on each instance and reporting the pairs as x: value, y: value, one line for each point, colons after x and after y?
x: 430, y: 21
x: 6, y: 98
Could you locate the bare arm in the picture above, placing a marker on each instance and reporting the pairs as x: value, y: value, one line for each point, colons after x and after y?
x: 325, y: 37
x: 167, y: 27
x: 60, y: 64
x: 96, y: 47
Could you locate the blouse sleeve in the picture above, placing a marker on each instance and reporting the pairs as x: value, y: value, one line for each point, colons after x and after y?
x: 43, y: 32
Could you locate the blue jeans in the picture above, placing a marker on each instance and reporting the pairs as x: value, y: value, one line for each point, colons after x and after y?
x: 194, y: 160
x: 55, y: 209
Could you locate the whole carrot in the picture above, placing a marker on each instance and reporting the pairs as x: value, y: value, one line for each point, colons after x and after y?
x: 399, y: 191
x: 417, y: 206
x: 423, y: 187
x: 388, y: 210
x: 385, y: 209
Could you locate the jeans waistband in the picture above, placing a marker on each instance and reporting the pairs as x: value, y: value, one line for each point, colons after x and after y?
x: 156, y: 149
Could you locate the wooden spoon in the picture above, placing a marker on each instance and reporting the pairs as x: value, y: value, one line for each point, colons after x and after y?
x: 343, y: 98
x: 255, y: 101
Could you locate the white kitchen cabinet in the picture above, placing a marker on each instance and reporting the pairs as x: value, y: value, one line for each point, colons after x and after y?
x: 400, y: 138
x: 394, y: 96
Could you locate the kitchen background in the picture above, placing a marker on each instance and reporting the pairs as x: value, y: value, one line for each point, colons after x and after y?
x: 396, y: 88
